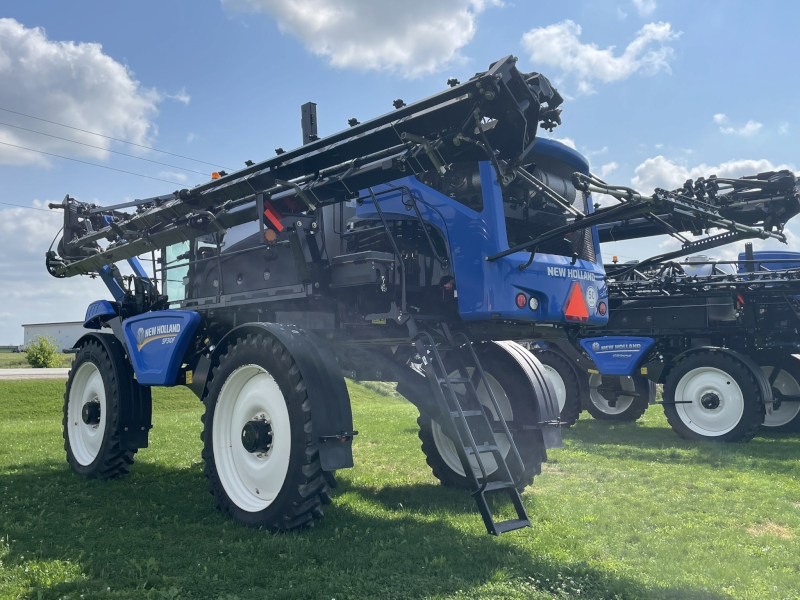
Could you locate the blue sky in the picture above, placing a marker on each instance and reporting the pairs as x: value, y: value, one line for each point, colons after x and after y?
x: 656, y: 91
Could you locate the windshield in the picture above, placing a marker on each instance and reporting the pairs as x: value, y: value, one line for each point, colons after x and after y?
x: 531, y: 213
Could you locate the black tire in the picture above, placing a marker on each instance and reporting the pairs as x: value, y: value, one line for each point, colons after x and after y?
x: 305, y: 487
x: 529, y: 443
x: 722, y: 413
x: 559, y: 367
x: 626, y: 408
x: 113, y: 388
x: 788, y: 383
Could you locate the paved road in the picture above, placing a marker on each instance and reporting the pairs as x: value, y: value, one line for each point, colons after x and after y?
x: 12, y: 374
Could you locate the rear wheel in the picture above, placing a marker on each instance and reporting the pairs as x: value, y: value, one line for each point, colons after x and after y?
x: 565, y: 383
x: 784, y: 376
x: 713, y: 396
x: 509, y: 389
x: 618, y: 397
x: 91, y: 423
x: 262, y: 465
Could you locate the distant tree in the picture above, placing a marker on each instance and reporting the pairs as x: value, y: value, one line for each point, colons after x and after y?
x: 43, y: 353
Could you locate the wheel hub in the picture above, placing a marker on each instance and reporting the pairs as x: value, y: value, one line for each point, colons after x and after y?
x: 710, y: 401
x: 257, y: 437
x: 90, y: 413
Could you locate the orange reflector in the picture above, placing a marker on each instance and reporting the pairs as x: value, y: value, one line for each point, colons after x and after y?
x: 576, y: 309
x: 215, y: 175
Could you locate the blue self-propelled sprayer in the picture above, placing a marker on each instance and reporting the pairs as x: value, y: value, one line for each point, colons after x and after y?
x: 409, y: 248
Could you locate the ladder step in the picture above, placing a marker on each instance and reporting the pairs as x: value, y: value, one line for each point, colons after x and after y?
x: 484, y: 448
x: 511, y: 525
x: 468, y: 413
x: 442, y: 380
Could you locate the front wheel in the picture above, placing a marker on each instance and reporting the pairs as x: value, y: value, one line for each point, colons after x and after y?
x: 262, y: 465
x: 96, y: 389
x: 618, y: 397
x: 713, y: 396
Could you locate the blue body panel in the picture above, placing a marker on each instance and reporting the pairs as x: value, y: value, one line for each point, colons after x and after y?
x: 95, y: 313
x: 157, y: 342
x: 617, y: 355
x: 763, y: 258
x: 487, y: 290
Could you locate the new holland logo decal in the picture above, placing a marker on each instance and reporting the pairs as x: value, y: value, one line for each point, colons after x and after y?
x: 166, y: 333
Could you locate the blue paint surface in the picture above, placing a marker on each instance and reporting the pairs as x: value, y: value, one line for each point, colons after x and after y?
x: 157, y: 342
x: 95, y: 313
x: 487, y: 290
x: 617, y: 355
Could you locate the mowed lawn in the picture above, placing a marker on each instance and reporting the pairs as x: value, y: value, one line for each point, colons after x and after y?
x: 624, y: 511
x: 19, y: 360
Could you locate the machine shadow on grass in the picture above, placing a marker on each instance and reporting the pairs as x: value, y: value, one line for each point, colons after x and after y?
x: 769, y: 452
x: 157, y: 534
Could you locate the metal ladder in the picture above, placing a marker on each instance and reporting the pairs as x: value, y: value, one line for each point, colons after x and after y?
x: 466, y: 422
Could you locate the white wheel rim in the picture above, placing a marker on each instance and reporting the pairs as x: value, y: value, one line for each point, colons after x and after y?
x: 558, y: 385
x: 446, y: 447
x: 721, y: 390
x: 623, y: 402
x: 86, y: 440
x: 251, y: 480
x: 787, y: 385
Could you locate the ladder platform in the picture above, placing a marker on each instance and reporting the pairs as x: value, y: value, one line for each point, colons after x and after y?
x: 511, y: 525
x: 494, y: 486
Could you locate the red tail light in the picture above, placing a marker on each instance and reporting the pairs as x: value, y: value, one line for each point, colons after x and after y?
x: 576, y: 309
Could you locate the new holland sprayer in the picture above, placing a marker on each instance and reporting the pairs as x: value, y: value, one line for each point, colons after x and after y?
x: 414, y: 248
x: 720, y: 335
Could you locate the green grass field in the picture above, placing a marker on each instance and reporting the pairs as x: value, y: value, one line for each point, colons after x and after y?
x: 625, y: 511
x: 18, y: 360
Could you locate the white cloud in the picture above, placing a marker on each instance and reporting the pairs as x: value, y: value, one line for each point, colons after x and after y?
x: 783, y: 129
x: 179, y: 177
x: 190, y: 138
x: 660, y: 172
x: 180, y: 96
x: 621, y: 14
x: 607, y: 169
x: 414, y: 37
x: 749, y: 129
x: 559, y: 46
x: 72, y: 83
x: 645, y: 7
x: 566, y: 141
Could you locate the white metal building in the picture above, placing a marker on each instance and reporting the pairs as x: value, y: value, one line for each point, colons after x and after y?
x: 65, y: 334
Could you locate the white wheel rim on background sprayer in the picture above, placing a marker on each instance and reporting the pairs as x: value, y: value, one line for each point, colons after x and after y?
x: 788, y: 386
x: 720, y: 392
x: 447, y: 449
x: 252, y: 481
x: 85, y: 439
x: 623, y: 402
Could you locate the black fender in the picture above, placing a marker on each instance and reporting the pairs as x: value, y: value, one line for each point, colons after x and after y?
x: 580, y: 364
x: 761, y: 379
x: 136, y: 402
x: 332, y: 416
x: 544, y: 410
